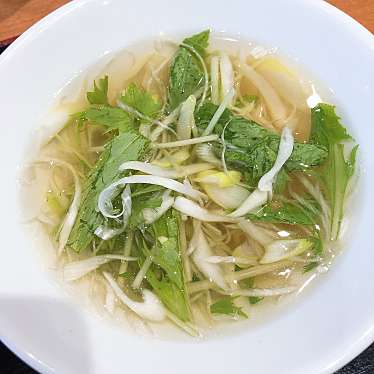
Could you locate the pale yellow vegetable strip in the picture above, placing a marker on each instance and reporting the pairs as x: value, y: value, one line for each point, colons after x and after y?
x: 186, y: 326
x: 274, y: 103
x: 182, y: 143
x: 183, y: 244
x: 203, y: 285
x: 127, y: 251
x: 256, y: 270
x: 214, y: 74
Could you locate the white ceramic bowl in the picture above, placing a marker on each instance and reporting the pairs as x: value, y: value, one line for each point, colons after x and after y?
x: 319, y: 333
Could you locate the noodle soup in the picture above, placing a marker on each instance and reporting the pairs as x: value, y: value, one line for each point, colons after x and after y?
x: 194, y: 182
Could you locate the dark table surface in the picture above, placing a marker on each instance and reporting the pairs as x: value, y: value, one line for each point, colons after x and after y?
x: 11, y: 364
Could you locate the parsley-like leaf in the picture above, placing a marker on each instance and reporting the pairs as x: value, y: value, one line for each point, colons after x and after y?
x: 226, y: 306
x: 326, y: 126
x: 337, y: 171
x: 284, y: 212
x: 312, y: 265
x: 100, y: 93
x: 255, y: 299
x: 186, y: 73
x: 172, y: 297
x: 171, y: 287
x: 140, y: 202
x: 246, y: 99
x: 199, y: 42
x: 250, y: 283
x: 253, y: 149
x: 167, y: 254
x: 141, y: 100
x: 109, y: 117
x: 125, y: 147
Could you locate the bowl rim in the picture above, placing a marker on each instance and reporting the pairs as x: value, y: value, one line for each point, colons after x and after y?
x: 363, y: 34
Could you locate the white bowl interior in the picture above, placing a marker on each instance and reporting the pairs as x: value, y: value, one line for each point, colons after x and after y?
x: 319, y: 333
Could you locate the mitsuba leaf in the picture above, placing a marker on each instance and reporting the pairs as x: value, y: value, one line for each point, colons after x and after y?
x: 186, y: 73
x: 109, y: 117
x: 285, y: 212
x: 100, y: 93
x: 338, y: 170
x: 125, y: 147
x: 148, y: 200
x: 199, y: 42
x: 141, y: 100
x: 253, y: 149
x: 226, y: 306
x: 326, y: 126
x: 170, y: 286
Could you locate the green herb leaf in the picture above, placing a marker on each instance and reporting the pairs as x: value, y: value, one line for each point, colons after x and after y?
x: 199, y: 42
x: 125, y: 147
x: 281, y: 181
x: 284, y: 212
x: 337, y: 171
x: 255, y: 299
x: 250, y: 283
x: 317, y: 244
x: 186, y: 73
x: 171, y: 296
x: 109, y: 117
x: 141, y: 100
x: 253, y: 149
x: 168, y: 254
x: 246, y: 99
x: 326, y: 126
x: 226, y: 306
x: 100, y: 93
x: 171, y: 287
x: 148, y: 200
x: 312, y: 265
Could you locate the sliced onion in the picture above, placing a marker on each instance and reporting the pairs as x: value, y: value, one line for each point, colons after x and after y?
x: 104, y: 231
x: 284, y: 81
x: 182, y: 171
x: 214, y: 77
x: 229, y: 260
x: 110, y: 299
x: 227, y: 76
x: 72, y: 213
x: 253, y: 201
x: 191, y: 209
x: 259, y: 234
x: 153, y: 214
x: 186, y: 118
x: 217, y: 115
x: 282, y: 249
x: 210, y: 270
x: 228, y: 197
x: 284, y: 153
x: 106, y: 196
x: 77, y: 269
x: 151, y: 308
x: 276, y: 107
x: 183, y: 143
x: 242, y: 252
x: 264, y: 292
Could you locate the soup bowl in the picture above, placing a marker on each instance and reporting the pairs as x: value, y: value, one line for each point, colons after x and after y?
x: 49, y: 329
